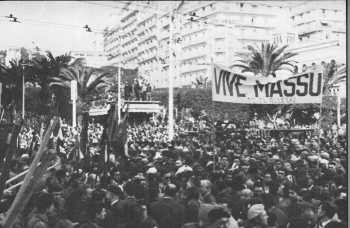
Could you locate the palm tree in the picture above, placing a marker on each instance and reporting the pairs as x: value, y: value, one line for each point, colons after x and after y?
x: 200, y: 82
x: 333, y: 76
x: 266, y: 60
x: 12, y: 78
x: 44, y: 68
x: 89, y: 82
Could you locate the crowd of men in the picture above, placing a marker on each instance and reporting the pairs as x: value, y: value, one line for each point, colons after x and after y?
x: 212, y: 175
x: 138, y: 90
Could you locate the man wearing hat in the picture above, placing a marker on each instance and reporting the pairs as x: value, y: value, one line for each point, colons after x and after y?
x: 113, y: 194
x: 257, y: 216
x: 166, y: 211
x: 218, y: 218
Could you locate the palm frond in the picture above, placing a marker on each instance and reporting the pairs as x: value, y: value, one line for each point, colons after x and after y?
x: 67, y: 74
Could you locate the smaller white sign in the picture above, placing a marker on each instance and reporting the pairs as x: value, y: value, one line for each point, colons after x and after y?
x: 73, y: 90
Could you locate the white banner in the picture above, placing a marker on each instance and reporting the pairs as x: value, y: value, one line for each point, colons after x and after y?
x: 228, y: 86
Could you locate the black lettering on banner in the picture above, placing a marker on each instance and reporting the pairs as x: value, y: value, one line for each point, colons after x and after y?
x: 224, y: 75
x: 292, y: 85
x: 319, y: 81
x: 260, y: 87
x: 217, y: 81
x: 278, y: 90
x: 230, y: 83
x: 302, y: 84
x: 238, y: 83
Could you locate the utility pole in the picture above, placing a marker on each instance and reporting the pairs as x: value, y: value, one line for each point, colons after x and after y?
x: 23, y: 93
x: 171, y: 77
x: 74, y: 93
x: 172, y: 66
x: 336, y: 93
x: 119, y: 95
x: 23, y: 89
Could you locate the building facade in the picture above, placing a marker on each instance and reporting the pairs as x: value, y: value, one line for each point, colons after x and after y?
x: 320, y: 31
x: 91, y: 58
x: 218, y: 31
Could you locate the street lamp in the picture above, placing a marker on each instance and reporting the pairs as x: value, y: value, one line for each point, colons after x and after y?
x: 23, y: 88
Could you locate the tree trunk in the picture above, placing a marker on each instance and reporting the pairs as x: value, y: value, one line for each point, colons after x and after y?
x: 45, y: 98
x: 84, y: 124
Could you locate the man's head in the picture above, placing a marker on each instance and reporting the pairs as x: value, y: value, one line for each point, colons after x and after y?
x: 206, y: 186
x: 170, y: 190
x: 218, y: 218
x: 267, y: 178
x: 246, y: 195
x: 113, y: 193
x: 257, y: 214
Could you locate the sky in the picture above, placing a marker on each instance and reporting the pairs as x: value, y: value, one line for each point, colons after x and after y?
x: 34, y: 16
x: 36, y: 28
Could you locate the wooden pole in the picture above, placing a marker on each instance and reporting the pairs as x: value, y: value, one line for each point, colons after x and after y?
x: 171, y: 77
x: 22, y: 174
x: 119, y: 95
x: 338, y: 110
x: 23, y: 93
x: 31, y: 179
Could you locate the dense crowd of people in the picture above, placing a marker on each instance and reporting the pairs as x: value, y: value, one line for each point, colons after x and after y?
x: 211, y: 175
x: 140, y: 90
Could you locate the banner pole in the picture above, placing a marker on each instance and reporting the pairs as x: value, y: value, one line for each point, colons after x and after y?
x: 319, y: 124
x: 338, y: 110
x: 119, y: 95
x: 319, y: 134
x: 171, y: 77
x: 213, y: 124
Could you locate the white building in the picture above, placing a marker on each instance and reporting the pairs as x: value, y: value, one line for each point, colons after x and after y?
x: 220, y: 30
x: 320, y: 31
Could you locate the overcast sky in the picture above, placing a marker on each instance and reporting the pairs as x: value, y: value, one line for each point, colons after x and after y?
x: 33, y: 27
x: 36, y: 18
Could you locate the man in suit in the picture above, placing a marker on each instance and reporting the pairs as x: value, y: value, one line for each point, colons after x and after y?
x: 125, y: 209
x: 114, y: 194
x: 166, y: 211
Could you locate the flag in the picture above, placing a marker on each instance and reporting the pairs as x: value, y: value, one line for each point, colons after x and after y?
x: 119, y: 137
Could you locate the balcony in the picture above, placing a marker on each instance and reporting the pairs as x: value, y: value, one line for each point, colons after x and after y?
x: 147, y: 57
x: 195, y: 54
x: 254, y: 36
x: 163, y: 35
x: 192, y: 68
x: 146, y: 37
x: 192, y: 27
x: 164, y: 22
x: 144, y: 18
x: 251, y: 8
x: 194, y: 41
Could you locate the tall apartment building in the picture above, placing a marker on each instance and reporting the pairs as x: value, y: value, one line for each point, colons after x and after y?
x: 218, y: 30
x: 320, y: 32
